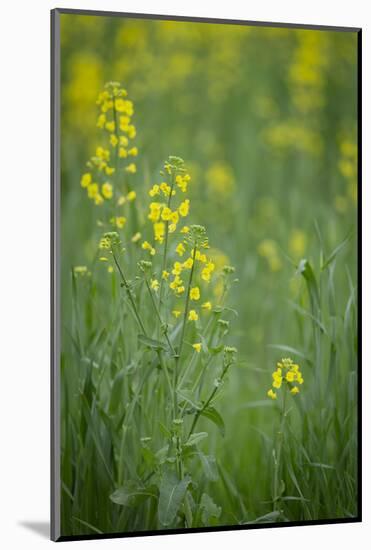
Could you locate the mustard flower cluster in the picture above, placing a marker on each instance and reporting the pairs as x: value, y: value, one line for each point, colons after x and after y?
x: 115, y: 120
x: 287, y: 372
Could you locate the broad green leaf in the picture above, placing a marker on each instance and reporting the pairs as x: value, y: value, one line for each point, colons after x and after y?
x: 210, y: 511
x: 196, y: 438
x: 132, y: 494
x: 209, y: 466
x: 172, y: 493
x: 212, y: 414
x: 151, y: 343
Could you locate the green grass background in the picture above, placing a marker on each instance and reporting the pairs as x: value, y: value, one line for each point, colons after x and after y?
x: 265, y: 119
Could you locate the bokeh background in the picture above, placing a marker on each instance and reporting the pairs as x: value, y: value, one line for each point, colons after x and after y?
x: 266, y: 120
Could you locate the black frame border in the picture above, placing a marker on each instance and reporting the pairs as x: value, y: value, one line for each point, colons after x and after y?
x: 55, y: 52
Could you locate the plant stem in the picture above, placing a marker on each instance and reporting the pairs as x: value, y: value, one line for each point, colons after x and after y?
x: 130, y: 294
x: 208, y: 401
x: 277, y: 457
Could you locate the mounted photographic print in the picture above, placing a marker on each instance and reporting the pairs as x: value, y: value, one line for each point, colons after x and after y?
x: 205, y: 274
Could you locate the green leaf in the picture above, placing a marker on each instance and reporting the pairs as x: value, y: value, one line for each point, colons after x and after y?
x: 336, y: 251
x: 210, y: 511
x: 196, y: 438
x: 267, y: 518
x: 209, y: 466
x: 150, y: 343
x: 132, y: 494
x: 305, y: 269
x: 116, y: 392
x: 172, y: 493
x: 189, y: 396
x: 212, y: 414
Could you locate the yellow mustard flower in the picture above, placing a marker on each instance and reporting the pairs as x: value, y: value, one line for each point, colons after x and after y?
x: 122, y: 153
x: 133, y: 151
x: 131, y: 196
x: 154, y: 191
x: 113, y: 140
x: 131, y: 168
x: 110, y: 126
x: 184, y: 208
x: 197, y: 347
x: 86, y: 179
x: 180, y: 249
x: 166, y: 214
x: 159, y: 231
x: 176, y: 312
x: 155, y: 285
x: 109, y: 170
x: 188, y: 263
x: 272, y: 394
x: 192, y: 315
x: 206, y: 305
x: 147, y: 246
x: 165, y: 274
x: 120, y: 221
x: 185, y: 229
x: 107, y: 190
x: 195, y: 293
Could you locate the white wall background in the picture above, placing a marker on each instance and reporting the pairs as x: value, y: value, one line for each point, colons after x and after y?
x: 24, y: 271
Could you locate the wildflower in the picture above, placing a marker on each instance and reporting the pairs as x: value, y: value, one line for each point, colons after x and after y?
x: 86, y: 180
x: 93, y: 190
x: 165, y: 188
x: 124, y: 141
x: 287, y: 372
x: 166, y: 214
x: 155, y: 285
x: 197, y: 347
x: 113, y: 140
x: 206, y: 305
x: 110, y: 126
x: 107, y: 191
x: 184, y: 208
x: 133, y: 151
x: 131, y: 196
x: 109, y: 171
x: 194, y: 293
x: 180, y: 249
x: 272, y: 394
x: 124, y: 123
x: 131, y: 131
x: 123, y: 153
x: 159, y: 231
x: 192, y: 315
x: 165, y: 275
x: 154, y: 211
x: 131, y: 168
x: 177, y: 268
x: 188, y: 263
x: 98, y: 199
x: 176, y: 313
x: 172, y: 227
x: 101, y: 120
x: 147, y: 246
x: 180, y: 289
x: 154, y: 191
x: 136, y: 237
x: 120, y: 221
x: 174, y: 218
x: 185, y: 229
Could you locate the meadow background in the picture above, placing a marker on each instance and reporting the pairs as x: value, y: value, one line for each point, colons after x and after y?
x: 266, y: 122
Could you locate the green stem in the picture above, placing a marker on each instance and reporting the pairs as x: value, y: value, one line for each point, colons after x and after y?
x: 185, y: 315
x: 130, y: 294
x: 208, y: 401
x: 277, y: 458
x: 162, y: 324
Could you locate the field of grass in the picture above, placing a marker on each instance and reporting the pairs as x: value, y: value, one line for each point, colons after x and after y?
x: 208, y: 232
